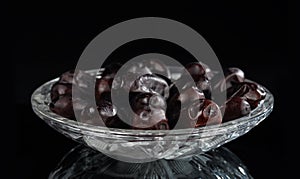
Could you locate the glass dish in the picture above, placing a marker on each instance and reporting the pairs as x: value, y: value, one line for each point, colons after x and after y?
x: 148, y: 145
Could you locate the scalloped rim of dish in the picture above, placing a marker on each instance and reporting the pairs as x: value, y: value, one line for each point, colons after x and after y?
x: 261, y: 112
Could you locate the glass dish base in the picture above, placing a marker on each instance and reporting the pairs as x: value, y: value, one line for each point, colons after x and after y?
x: 84, y: 162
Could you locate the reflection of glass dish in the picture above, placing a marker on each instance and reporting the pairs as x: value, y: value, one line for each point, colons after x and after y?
x: 147, y: 145
x: 83, y: 162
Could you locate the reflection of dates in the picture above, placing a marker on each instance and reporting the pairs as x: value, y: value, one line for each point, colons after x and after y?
x: 157, y: 102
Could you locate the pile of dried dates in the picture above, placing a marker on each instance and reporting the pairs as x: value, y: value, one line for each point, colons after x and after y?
x: 157, y: 102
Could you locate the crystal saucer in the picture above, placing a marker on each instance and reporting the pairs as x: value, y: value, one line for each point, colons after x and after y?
x: 147, y: 145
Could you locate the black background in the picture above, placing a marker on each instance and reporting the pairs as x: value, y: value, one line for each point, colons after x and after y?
x: 252, y: 37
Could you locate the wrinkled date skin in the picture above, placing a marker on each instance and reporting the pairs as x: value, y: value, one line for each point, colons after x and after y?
x: 198, y: 73
x: 63, y: 106
x: 251, y: 92
x: 178, y: 103
x: 157, y: 102
x: 235, y: 107
x: 149, y: 111
x: 60, y: 89
x: 204, y: 113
